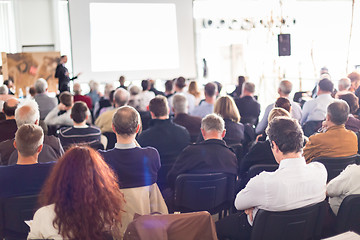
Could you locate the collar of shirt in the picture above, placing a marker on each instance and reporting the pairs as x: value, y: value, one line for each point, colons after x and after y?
x: 292, y: 162
x: 335, y: 127
x: 85, y: 126
x: 125, y: 146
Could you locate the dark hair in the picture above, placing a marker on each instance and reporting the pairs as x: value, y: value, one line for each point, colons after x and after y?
x: 159, y: 106
x: 180, y: 82
x: 126, y: 120
x: 85, y: 191
x: 9, y: 111
x: 111, y: 96
x: 352, y: 100
x: 66, y: 98
x: 210, y: 89
x: 338, y: 112
x: 286, y: 133
x: 241, y: 80
x: 284, y: 103
x: 145, y: 84
x: 326, y: 85
x: 32, y: 91
x: 79, y: 112
x: 169, y: 85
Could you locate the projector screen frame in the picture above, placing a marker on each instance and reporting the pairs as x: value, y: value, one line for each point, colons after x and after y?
x: 79, y: 14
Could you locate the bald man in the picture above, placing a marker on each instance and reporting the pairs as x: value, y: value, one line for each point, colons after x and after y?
x: 8, y: 127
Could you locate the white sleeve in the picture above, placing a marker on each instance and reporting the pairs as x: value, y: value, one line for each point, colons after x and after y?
x: 264, y: 121
x: 251, y: 195
x: 338, y: 185
x: 35, y: 227
x: 51, y: 118
x: 305, y: 112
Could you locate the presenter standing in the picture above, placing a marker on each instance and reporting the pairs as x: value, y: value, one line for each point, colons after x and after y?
x: 62, y: 74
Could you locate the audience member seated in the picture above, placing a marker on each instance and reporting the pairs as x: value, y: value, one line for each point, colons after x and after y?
x: 85, y: 205
x: 60, y: 115
x: 145, y: 96
x: 249, y: 108
x: 261, y: 152
x: 134, y: 100
x: 10, y: 85
x: 27, y: 176
x: 209, y: 156
x: 194, y: 90
x: 180, y: 84
x: 191, y: 123
x: 283, y: 103
x: 80, y: 132
x: 94, y: 93
x: 46, y: 103
x: 206, y: 107
x: 343, y: 86
x: 226, y: 108
x: 294, y: 184
x: 238, y: 90
x: 4, y: 96
x: 135, y: 166
x: 104, y: 121
x: 104, y: 100
x: 168, y: 138
x: 169, y: 88
x: 334, y: 140
x: 284, y: 91
x: 28, y: 113
x: 78, y: 97
x: 355, y: 83
x: 352, y: 123
x: 315, y: 109
x: 8, y: 127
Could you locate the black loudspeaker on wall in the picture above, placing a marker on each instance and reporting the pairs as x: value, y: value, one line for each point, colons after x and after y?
x: 284, y: 44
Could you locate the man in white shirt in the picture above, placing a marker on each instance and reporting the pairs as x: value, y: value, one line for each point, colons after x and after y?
x: 206, y: 107
x: 294, y: 184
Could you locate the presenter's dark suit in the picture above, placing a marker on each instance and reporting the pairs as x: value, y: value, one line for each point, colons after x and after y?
x: 210, y: 156
x: 64, y: 80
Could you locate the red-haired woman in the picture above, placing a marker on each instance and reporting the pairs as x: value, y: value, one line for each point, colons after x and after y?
x: 80, y: 199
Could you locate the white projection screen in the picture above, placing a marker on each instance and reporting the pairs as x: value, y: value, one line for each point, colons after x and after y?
x: 139, y: 39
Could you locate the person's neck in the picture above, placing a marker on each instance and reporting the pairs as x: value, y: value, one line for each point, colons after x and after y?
x: 79, y: 124
x: 283, y: 95
x: 247, y: 94
x: 210, y: 100
x: 125, y: 139
x: 27, y: 160
x: 178, y: 113
x: 323, y: 93
x: 290, y: 155
x: 9, y: 117
x: 162, y: 117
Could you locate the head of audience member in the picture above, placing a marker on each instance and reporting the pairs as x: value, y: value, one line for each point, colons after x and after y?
x: 32, y: 91
x: 169, y: 87
x: 9, y: 83
x: 278, y: 112
x: 126, y: 123
x: 218, y: 88
x: 248, y: 89
x: 79, y: 113
x: 226, y: 108
x: 122, y: 80
x: 180, y: 104
x: 324, y: 70
x: 194, y: 89
x: 134, y: 92
x: 337, y: 113
x: 41, y: 86
x: 28, y: 142
x: 108, y: 88
x: 66, y: 99
x: 180, y: 84
x: 4, y: 90
x: 63, y: 59
x: 121, y: 97
x: 286, y: 138
x: 285, y: 88
x: 213, y: 127
x: 77, y: 89
x: 210, y: 91
x: 355, y: 80
x: 284, y: 103
x: 94, y: 187
x: 159, y: 108
x: 352, y: 101
x: 325, y: 87
x: 145, y: 84
x: 9, y: 108
x: 94, y: 86
x: 27, y: 113
x: 344, y: 84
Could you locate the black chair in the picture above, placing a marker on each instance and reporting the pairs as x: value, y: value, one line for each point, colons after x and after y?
x: 238, y: 150
x: 212, y: 192
x: 13, y: 212
x: 97, y: 146
x: 348, y: 217
x: 162, y: 175
x: 311, y: 127
x: 298, y: 224
x: 253, y: 171
x: 111, y: 137
x: 335, y: 166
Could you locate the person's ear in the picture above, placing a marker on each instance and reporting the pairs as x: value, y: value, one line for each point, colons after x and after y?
x: 137, y: 128
x: 14, y: 143
x: 203, y: 132
x: 113, y: 128
x: 152, y: 115
x: 223, y: 133
x: 39, y: 148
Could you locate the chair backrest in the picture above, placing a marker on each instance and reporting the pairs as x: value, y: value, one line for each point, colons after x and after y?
x: 111, y: 137
x: 335, y: 166
x: 238, y: 150
x: 298, y: 224
x: 212, y: 192
x: 348, y: 216
x: 13, y: 212
x: 258, y: 168
x: 311, y: 127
